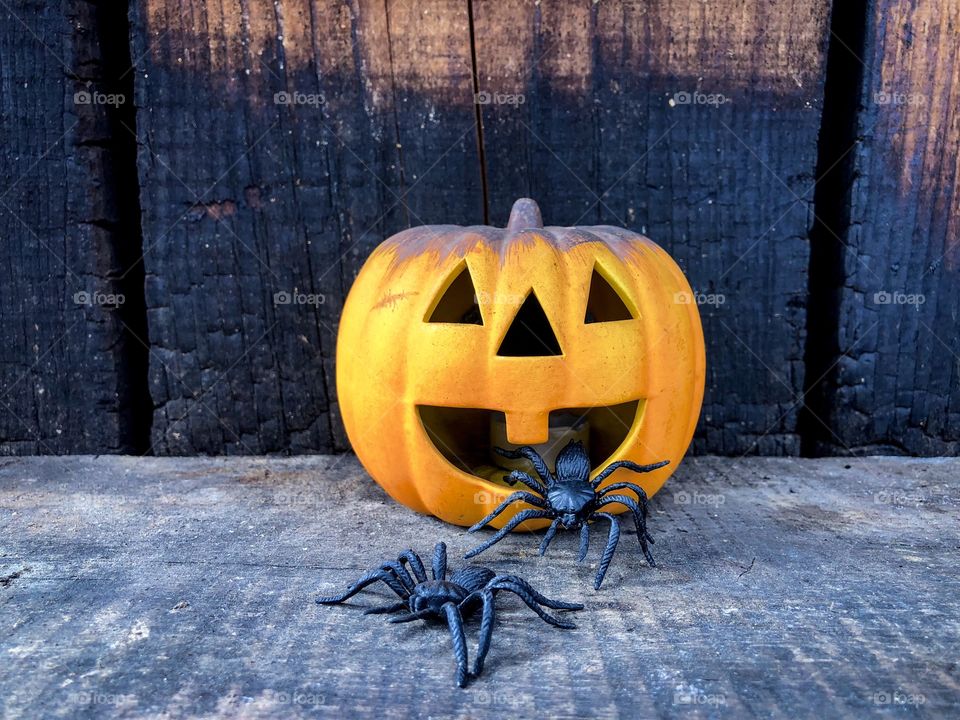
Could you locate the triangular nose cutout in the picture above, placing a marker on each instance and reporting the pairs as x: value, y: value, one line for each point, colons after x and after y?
x: 530, y: 334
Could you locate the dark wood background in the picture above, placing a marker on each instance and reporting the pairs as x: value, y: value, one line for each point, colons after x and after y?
x: 818, y: 200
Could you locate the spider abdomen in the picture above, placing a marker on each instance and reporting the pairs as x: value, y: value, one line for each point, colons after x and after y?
x: 472, y: 577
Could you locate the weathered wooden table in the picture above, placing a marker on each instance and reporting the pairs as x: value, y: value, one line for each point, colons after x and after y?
x: 183, y: 587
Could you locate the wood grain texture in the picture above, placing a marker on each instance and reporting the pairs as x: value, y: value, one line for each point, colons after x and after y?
x: 166, y: 587
x: 895, y: 386
x: 280, y: 144
x: 63, y: 372
x: 689, y: 123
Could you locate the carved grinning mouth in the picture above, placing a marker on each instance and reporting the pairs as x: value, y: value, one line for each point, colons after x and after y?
x: 465, y: 436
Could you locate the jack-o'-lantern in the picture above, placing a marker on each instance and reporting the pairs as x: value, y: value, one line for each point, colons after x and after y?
x: 454, y: 340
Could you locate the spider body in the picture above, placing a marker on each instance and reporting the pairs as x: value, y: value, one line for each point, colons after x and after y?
x: 574, y: 500
x: 451, y: 599
x: 571, y: 500
x: 430, y: 596
x: 434, y: 594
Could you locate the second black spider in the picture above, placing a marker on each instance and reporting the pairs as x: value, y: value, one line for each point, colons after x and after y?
x: 451, y: 599
x: 571, y: 500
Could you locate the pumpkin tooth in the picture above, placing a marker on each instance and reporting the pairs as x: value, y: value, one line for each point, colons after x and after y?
x: 527, y: 427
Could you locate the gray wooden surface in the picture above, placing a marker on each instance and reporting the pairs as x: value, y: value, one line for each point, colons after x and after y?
x: 184, y: 587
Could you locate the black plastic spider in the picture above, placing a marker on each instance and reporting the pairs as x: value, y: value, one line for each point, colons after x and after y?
x: 452, y: 599
x: 571, y: 500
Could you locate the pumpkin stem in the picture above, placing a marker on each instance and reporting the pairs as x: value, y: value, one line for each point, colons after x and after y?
x: 525, y: 215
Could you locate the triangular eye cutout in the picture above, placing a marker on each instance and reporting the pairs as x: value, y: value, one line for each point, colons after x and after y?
x: 458, y: 304
x: 604, y: 303
x: 530, y: 334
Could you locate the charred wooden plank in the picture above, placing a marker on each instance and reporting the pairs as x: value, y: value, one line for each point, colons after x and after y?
x: 281, y: 144
x: 890, y: 377
x: 696, y: 125
x: 67, y: 279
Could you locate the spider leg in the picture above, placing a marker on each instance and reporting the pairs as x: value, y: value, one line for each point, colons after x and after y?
x: 455, y: 623
x: 385, y: 608
x: 641, y: 493
x: 531, y: 602
x: 584, y: 541
x: 368, y: 579
x: 642, y: 502
x: 486, y: 629
x: 639, y: 519
x: 512, y: 498
x: 440, y: 561
x: 400, y: 572
x: 411, y: 616
x: 520, y: 517
x: 608, y: 551
x: 612, y: 467
x: 541, y: 599
x: 533, y: 456
x: 527, y: 479
x: 416, y: 564
x: 551, y: 531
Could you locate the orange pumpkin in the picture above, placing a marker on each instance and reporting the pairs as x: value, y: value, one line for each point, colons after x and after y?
x: 454, y: 339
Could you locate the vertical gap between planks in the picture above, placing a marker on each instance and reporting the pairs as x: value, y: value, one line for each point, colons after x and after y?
x: 836, y: 159
x: 133, y: 389
x: 481, y: 152
x: 396, y: 119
